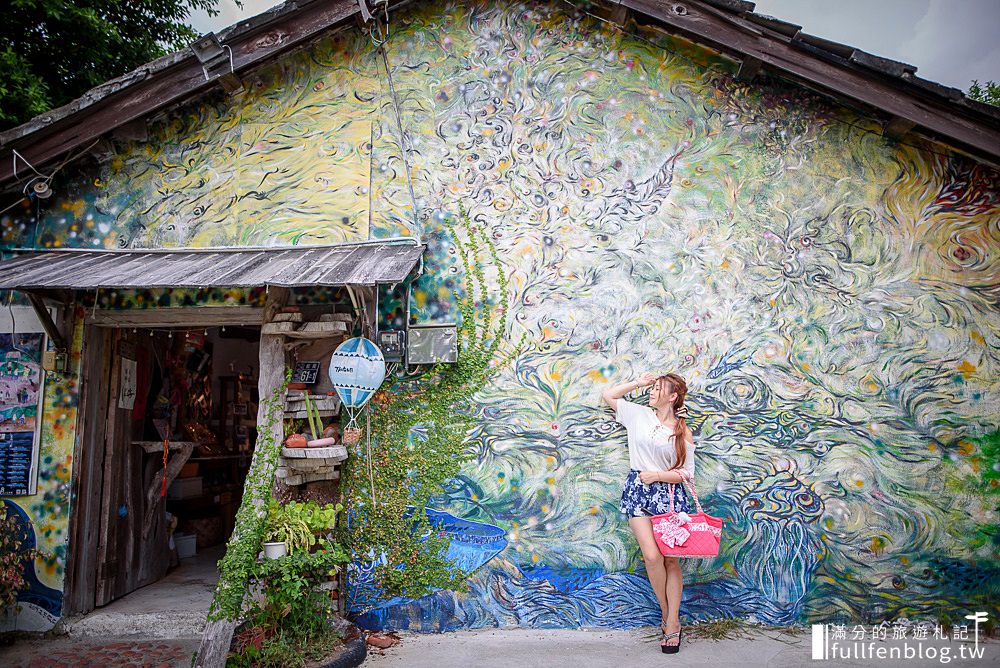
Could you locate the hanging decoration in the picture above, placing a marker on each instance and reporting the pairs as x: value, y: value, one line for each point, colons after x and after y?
x: 357, y: 369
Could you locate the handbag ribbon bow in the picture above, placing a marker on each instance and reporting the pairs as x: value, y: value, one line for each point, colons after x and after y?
x: 671, y: 529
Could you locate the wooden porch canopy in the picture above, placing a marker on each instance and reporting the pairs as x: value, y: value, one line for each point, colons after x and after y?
x: 54, y: 274
x: 367, y: 264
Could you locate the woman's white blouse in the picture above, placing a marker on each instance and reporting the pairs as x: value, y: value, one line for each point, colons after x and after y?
x: 650, y: 444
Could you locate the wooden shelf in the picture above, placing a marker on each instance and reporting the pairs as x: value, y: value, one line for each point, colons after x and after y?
x: 218, y: 458
x: 304, y: 415
x: 157, y: 446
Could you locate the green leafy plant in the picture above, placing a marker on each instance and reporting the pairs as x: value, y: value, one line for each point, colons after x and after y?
x: 288, y: 623
x: 236, y: 567
x: 294, y: 426
x: 319, y: 518
x: 988, y: 93
x: 12, y: 559
x: 402, y: 472
x: 297, y: 523
x: 287, y: 527
x: 315, y: 421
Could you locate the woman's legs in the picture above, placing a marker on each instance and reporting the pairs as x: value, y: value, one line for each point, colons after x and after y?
x: 673, y: 589
x: 656, y: 569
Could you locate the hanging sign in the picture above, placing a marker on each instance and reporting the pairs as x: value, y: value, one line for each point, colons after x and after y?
x: 305, y: 372
x: 356, y: 371
x: 126, y: 396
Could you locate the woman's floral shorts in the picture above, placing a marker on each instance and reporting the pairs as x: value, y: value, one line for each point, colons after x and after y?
x: 640, y: 500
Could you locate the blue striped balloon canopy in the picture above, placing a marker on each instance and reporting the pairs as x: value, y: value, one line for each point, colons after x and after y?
x: 357, y: 369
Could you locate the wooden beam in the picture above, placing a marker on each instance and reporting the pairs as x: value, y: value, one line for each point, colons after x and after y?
x: 193, y: 317
x: 620, y: 14
x: 218, y: 635
x: 174, y: 465
x: 734, y: 35
x: 749, y: 69
x: 47, y: 324
x: 896, y: 127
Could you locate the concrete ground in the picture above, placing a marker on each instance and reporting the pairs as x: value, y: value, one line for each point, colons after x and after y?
x: 640, y: 648
x: 501, y: 648
x: 174, y: 607
x: 159, y: 625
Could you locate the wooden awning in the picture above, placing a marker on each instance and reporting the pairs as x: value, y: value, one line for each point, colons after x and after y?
x: 299, y: 266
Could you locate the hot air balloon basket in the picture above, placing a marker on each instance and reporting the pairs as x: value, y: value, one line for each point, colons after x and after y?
x: 352, y: 436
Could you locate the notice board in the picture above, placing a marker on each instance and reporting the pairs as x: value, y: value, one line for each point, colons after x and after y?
x: 22, y: 382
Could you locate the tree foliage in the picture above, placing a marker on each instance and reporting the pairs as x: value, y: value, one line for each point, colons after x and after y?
x: 989, y: 93
x: 52, y: 51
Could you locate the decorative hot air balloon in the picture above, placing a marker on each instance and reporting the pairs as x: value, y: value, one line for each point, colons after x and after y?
x: 357, y: 369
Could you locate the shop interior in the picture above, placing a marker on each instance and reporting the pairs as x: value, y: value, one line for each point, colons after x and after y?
x: 201, y: 389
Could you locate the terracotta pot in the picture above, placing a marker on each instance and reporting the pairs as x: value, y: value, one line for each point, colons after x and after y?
x: 352, y: 436
x: 297, y: 386
x: 296, y: 441
x: 322, y: 443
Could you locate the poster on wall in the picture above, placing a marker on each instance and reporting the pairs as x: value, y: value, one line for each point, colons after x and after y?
x: 126, y: 398
x: 21, y: 386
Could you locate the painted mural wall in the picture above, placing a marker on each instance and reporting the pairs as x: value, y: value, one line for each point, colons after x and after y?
x: 43, y: 518
x: 831, y: 297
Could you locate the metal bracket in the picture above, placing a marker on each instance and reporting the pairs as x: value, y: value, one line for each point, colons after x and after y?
x: 366, y: 14
x: 213, y: 56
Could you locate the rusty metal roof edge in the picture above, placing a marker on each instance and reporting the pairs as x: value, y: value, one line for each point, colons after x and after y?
x: 391, y: 241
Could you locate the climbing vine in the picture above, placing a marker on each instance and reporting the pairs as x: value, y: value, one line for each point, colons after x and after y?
x: 237, y: 566
x: 419, y: 430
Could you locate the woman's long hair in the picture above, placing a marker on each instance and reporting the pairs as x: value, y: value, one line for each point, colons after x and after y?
x: 677, y: 384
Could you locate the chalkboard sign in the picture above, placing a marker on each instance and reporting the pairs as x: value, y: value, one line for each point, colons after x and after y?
x: 17, y: 449
x: 305, y: 372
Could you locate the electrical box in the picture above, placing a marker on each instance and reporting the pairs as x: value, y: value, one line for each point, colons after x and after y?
x: 53, y: 360
x: 392, y: 344
x: 430, y: 344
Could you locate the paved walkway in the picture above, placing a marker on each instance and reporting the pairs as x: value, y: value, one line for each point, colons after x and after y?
x: 159, y: 625
x: 514, y: 648
x: 622, y: 649
x: 66, y: 652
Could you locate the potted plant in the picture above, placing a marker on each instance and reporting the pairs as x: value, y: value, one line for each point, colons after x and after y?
x: 293, y: 622
x: 285, y: 532
x: 319, y: 439
x: 295, y: 439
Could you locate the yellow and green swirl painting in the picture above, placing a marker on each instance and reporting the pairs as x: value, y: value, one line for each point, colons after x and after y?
x: 831, y: 296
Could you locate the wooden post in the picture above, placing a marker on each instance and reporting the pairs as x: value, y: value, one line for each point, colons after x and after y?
x: 218, y: 635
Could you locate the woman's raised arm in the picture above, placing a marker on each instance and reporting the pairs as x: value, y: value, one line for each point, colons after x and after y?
x: 612, y: 394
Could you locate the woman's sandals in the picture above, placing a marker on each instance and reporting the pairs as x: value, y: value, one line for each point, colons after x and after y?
x: 670, y: 649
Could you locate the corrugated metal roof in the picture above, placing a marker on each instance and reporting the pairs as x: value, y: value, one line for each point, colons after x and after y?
x: 345, y: 264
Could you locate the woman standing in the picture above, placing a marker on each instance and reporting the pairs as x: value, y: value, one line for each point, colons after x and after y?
x: 660, y: 453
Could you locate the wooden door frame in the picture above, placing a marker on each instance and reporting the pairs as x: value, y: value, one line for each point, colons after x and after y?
x: 88, y: 469
x: 80, y: 585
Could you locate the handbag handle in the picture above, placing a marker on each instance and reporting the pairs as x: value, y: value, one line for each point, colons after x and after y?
x: 689, y: 485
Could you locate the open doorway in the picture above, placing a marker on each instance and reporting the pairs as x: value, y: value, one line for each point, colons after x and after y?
x: 142, y: 520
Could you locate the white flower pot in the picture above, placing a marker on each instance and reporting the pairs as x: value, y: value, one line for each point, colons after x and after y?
x: 275, y: 550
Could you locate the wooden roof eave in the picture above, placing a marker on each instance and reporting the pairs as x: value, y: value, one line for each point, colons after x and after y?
x: 729, y: 26
x: 845, y: 81
x: 168, y: 81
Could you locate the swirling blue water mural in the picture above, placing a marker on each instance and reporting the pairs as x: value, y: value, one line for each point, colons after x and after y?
x: 832, y: 297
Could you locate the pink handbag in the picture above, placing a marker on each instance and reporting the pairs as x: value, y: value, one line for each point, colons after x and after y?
x: 684, y: 535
